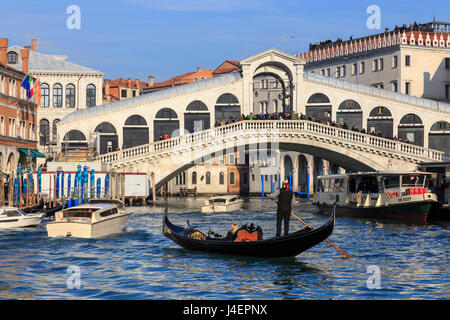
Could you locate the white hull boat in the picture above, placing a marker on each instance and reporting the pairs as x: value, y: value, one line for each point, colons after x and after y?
x: 12, y: 217
x: 95, y: 220
x: 222, y: 204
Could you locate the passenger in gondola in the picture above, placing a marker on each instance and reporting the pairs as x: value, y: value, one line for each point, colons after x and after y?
x: 231, y: 235
x: 284, y: 207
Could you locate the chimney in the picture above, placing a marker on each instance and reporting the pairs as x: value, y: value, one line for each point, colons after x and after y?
x: 129, y: 82
x: 107, y: 84
x: 137, y: 83
x: 3, y: 49
x: 198, y: 69
x: 24, y: 53
x: 33, y: 44
x: 150, y: 80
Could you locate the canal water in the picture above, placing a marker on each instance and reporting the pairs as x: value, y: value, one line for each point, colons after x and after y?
x: 390, y: 260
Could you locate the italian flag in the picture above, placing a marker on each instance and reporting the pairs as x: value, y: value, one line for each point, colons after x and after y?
x: 32, y: 85
x: 37, y: 88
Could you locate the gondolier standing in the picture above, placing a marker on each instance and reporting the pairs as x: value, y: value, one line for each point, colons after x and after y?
x: 284, y: 207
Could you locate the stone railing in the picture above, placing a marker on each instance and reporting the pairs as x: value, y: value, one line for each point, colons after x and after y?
x: 276, y: 127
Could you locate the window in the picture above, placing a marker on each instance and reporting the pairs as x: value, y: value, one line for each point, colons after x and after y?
x: 134, y: 93
x: 54, y: 130
x: 381, y: 66
x: 343, y: 71
x: 394, y: 61
x: 362, y: 67
x: 322, y: 72
x: 194, y: 177
x: 123, y: 93
x: 57, y: 95
x: 375, y: 65
x: 328, y: 72
x: 2, y: 125
x: 208, y: 177
x: 394, y: 86
x: 447, y: 91
x: 221, y: 178
x: 232, y: 178
x: 90, y: 95
x: 70, y: 96
x: 245, y: 178
x: 45, y: 95
x: 231, y: 159
x: 447, y: 63
x: 354, y: 69
x: 12, y: 57
x: 407, y: 87
x: 338, y: 72
x: 407, y: 60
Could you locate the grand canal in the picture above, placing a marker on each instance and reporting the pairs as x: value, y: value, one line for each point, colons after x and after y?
x: 390, y: 260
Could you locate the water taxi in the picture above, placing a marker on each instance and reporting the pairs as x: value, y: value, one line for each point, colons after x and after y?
x: 12, y: 217
x: 225, y: 203
x: 100, y: 218
x: 379, y: 195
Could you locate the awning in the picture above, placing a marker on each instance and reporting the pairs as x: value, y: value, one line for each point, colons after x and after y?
x: 33, y: 153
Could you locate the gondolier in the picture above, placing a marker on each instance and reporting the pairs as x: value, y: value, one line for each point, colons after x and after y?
x: 284, y: 207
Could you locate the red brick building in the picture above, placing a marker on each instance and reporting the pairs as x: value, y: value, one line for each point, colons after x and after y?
x: 121, y: 88
x: 17, y: 114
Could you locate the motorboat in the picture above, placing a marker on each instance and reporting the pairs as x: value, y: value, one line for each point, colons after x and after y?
x: 12, y: 217
x: 226, y: 203
x: 99, y: 218
x: 379, y: 195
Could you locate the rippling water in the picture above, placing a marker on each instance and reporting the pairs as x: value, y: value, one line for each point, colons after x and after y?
x: 141, y: 263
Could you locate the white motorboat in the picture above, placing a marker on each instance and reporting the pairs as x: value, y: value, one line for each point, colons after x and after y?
x: 98, y: 219
x: 12, y: 217
x: 225, y: 203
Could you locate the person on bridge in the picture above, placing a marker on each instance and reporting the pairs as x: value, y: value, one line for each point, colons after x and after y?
x: 284, y: 207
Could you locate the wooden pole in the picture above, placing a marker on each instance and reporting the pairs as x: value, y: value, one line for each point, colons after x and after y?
x: 2, y: 190
x: 50, y: 203
x: 20, y: 190
x: 122, y: 187
x: 54, y: 192
x: 11, y: 190
x: 152, y: 178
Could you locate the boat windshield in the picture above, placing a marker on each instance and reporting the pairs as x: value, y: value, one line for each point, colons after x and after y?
x: 78, y: 213
x: 11, y: 213
x: 214, y: 201
x: 412, y: 180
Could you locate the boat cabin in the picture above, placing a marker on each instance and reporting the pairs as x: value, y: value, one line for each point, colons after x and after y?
x: 86, y: 213
x: 11, y: 212
x: 223, y: 200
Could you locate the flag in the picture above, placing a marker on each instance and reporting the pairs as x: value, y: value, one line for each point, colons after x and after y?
x: 37, y: 89
x: 27, y: 84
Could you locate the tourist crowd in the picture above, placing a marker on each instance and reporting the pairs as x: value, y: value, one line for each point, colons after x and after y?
x: 296, y: 116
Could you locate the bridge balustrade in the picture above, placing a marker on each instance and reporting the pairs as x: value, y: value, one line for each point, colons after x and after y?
x: 248, y: 127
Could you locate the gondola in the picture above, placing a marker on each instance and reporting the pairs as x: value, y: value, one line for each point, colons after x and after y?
x: 284, y: 246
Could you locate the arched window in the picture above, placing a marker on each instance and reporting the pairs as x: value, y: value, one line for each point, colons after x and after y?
x: 105, y: 127
x: 166, y: 113
x: 44, y: 131
x: 135, y: 120
x: 208, y: 177
x: 411, y: 129
x: 74, y: 139
x: 318, y: 98
x: 70, y: 96
x: 196, y: 105
x: 221, y: 178
x: 349, y: 113
x: 439, y: 136
x: 54, y: 130
x: 90, y: 95
x: 57, y: 95
x: 194, y: 177
x: 12, y: 57
x: 319, y: 107
x: 227, y: 106
x: 45, y: 95
x: 135, y: 132
x: 380, y: 120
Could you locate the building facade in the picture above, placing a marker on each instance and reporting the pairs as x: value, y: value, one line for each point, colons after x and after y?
x: 65, y: 87
x: 18, y: 115
x: 411, y: 60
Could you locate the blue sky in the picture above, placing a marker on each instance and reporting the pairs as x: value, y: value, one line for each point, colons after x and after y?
x: 137, y: 38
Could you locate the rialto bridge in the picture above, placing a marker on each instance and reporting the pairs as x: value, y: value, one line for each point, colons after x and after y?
x: 135, y: 125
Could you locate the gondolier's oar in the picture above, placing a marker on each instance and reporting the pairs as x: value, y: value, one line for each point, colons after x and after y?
x: 335, y: 246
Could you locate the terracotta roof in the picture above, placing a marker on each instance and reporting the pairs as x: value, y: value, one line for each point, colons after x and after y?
x: 226, y: 67
x: 184, y: 78
x: 122, y: 82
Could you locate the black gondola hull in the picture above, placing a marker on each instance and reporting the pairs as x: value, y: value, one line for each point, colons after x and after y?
x: 285, y: 246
